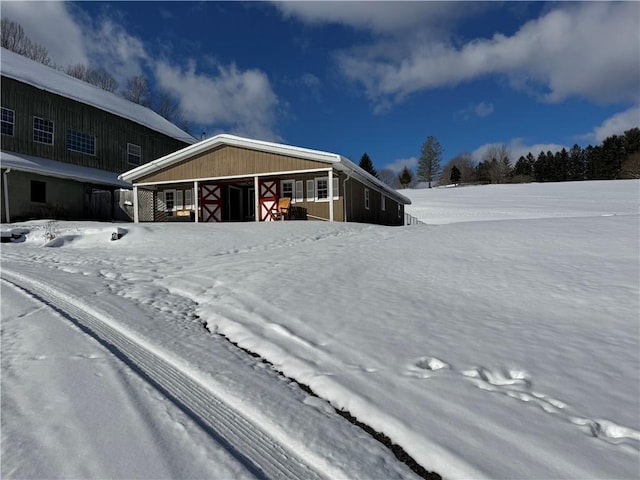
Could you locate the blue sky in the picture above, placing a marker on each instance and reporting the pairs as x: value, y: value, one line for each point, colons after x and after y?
x: 380, y: 77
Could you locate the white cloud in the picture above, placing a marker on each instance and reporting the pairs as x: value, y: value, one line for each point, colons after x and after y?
x: 381, y: 17
x: 588, y: 49
x: 52, y: 25
x: 483, y: 109
x: 397, y: 165
x: 72, y: 37
x: 122, y: 54
x: 310, y: 80
x: 517, y: 149
x: 242, y: 100
x: 617, y: 124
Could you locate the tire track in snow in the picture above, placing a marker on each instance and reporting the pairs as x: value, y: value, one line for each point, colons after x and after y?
x: 257, y: 450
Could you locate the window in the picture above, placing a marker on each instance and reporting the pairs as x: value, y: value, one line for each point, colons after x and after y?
x: 169, y: 200
x: 310, y: 191
x: 299, y: 192
x: 8, y: 121
x: 38, y: 192
x: 81, y: 142
x: 179, y: 204
x: 322, y: 189
x: 399, y: 211
x: 187, y: 198
x: 383, y: 202
x: 336, y: 186
x: 134, y: 154
x: 287, y: 189
x: 366, y: 198
x: 42, y: 131
x: 160, y: 199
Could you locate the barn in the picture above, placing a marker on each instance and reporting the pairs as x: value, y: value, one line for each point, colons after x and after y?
x: 64, y: 142
x: 227, y: 178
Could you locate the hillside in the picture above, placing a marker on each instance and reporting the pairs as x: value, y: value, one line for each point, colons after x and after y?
x: 503, y: 347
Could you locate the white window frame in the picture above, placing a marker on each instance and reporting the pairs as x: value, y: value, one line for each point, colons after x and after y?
x: 336, y: 188
x: 173, y: 200
x: 317, y: 180
x: 84, y: 138
x: 399, y: 211
x: 383, y: 202
x: 7, y: 122
x: 366, y: 198
x: 292, y: 184
x: 131, y: 152
x: 179, y: 200
x: 188, y: 199
x: 311, y: 188
x: 299, y: 191
x: 42, y: 133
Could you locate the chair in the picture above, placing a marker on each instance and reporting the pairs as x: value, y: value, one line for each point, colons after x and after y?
x: 282, y: 211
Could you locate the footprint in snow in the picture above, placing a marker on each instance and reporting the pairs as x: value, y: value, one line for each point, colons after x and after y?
x: 516, y: 384
x: 424, y: 367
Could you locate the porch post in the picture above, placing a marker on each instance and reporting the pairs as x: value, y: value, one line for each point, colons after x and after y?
x: 256, y: 193
x: 7, y: 216
x: 196, y: 196
x: 330, y: 189
x: 136, y: 214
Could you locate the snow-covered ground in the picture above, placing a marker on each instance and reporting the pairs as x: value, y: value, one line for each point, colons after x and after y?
x: 503, y: 347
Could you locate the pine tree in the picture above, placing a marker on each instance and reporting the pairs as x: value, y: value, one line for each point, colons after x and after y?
x: 367, y: 165
x: 429, y: 163
x: 455, y: 175
x: 405, y: 177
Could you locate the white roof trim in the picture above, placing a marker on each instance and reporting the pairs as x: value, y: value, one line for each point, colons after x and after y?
x: 52, y: 168
x: 339, y: 162
x: 51, y: 80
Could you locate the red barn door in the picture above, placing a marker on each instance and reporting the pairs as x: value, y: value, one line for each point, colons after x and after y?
x: 268, y: 198
x: 211, y: 202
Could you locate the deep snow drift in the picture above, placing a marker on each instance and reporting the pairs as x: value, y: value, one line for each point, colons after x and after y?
x: 506, y: 347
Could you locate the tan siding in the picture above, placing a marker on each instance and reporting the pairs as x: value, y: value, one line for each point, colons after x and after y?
x: 226, y: 161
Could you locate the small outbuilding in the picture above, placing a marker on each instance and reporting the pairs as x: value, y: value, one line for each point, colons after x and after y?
x: 228, y: 178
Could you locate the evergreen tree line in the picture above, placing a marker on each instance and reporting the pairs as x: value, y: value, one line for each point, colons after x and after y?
x: 137, y: 89
x: 617, y: 157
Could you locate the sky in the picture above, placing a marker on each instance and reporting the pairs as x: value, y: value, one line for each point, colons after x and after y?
x: 375, y: 77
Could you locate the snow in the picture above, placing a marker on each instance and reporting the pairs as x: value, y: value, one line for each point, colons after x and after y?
x: 43, y: 166
x: 46, y: 78
x: 500, y: 340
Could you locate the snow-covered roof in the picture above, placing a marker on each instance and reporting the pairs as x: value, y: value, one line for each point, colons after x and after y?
x: 338, y: 161
x: 51, y: 168
x: 46, y: 78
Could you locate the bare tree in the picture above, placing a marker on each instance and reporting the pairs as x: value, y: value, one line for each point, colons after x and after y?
x: 13, y: 38
x: 389, y: 177
x: 167, y: 106
x: 497, y: 157
x: 429, y: 162
x: 631, y: 166
x: 78, y: 71
x: 95, y: 76
x: 464, y: 163
x: 138, y: 91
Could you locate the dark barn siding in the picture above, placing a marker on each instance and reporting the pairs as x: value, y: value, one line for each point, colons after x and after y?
x: 111, y: 131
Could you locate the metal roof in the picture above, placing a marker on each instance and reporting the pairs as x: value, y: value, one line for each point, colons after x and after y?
x: 339, y: 162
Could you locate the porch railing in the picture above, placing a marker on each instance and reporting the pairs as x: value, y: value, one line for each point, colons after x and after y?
x: 411, y: 220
